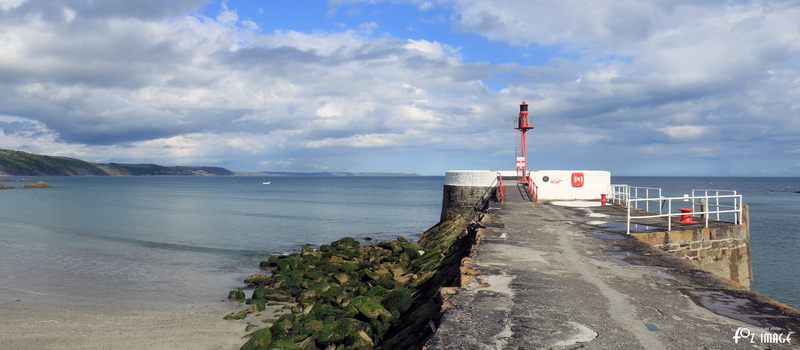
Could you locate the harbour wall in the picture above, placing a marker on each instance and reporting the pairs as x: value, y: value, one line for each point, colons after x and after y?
x: 464, y: 189
x: 722, y: 250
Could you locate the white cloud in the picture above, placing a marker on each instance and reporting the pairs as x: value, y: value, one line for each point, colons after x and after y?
x: 142, y: 81
x: 684, y: 132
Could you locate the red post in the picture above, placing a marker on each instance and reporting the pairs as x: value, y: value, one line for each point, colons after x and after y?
x: 603, y: 200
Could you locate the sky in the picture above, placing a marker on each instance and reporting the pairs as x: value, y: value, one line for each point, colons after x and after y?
x: 637, y: 87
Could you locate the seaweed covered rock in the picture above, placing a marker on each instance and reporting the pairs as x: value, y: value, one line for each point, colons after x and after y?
x: 259, y: 339
x: 348, y: 296
x: 236, y: 295
x: 257, y: 278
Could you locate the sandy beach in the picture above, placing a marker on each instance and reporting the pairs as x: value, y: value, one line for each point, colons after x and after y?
x: 41, y: 321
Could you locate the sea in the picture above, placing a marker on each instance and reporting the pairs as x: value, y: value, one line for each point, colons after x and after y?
x: 176, y: 239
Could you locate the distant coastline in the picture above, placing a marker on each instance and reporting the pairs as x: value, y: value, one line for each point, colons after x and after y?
x: 18, y: 163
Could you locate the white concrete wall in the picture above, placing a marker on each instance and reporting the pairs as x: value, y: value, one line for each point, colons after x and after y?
x: 559, y: 184
x: 473, y: 178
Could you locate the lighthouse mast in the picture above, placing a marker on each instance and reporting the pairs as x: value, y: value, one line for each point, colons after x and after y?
x: 523, y: 127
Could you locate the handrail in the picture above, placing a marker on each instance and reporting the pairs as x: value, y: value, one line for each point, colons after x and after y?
x: 646, y: 196
x: 500, y: 188
x: 706, y: 192
x: 533, y: 189
x: 706, y: 212
x: 619, y: 193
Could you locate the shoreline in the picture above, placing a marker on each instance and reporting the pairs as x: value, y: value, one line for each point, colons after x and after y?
x: 45, y: 322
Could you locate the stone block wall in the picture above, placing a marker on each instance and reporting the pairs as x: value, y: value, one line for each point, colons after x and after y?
x: 455, y: 199
x: 723, y: 249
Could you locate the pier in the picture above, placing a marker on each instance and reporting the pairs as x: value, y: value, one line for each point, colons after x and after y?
x: 557, y: 275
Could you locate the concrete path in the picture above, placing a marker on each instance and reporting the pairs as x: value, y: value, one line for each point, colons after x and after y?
x: 550, y: 280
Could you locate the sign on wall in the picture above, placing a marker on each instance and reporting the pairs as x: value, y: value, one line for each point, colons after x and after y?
x: 577, y: 179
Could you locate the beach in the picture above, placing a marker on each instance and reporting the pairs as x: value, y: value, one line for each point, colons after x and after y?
x: 49, y: 321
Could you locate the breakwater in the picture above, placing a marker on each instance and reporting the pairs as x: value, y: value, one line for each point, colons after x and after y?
x: 549, y: 275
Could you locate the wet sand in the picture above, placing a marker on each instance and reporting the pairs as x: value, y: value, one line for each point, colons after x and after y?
x: 36, y: 321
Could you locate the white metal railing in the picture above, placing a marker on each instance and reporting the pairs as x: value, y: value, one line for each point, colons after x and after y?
x: 619, y: 193
x: 705, y: 192
x: 731, y: 203
x: 645, y: 191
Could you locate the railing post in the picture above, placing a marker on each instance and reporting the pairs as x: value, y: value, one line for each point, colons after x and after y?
x: 629, y: 219
x: 718, y: 205
x: 706, y: 210
x: 669, y: 214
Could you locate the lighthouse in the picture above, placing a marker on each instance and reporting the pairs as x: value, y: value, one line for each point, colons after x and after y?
x: 522, y: 146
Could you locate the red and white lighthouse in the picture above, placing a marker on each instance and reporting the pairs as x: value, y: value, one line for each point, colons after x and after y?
x: 522, y: 146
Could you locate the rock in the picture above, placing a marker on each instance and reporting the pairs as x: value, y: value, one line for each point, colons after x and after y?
x: 342, y: 278
x: 6, y: 187
x: 261, y: 305
x: 370, y: 307
x: 236, y: 315
x: 346, y: 243
x: 257, y: 278
x: 259, y: 293
x: 38, y: 184
x: 398, y: 300
x: 259, y: 339
x: 336, y: 332
x: 361, y: 341
x: 237, y: 295
x: 280, y: 329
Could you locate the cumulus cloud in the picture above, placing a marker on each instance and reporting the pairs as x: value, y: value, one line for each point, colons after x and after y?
x: 106, y: 79
x: 155, y: 81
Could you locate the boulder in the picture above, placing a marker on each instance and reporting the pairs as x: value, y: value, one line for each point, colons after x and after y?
x: 370, y: 307
x: 259, y: 340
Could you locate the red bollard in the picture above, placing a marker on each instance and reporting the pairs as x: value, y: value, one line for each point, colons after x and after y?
x: 686, y: 218
x: 603, y: 200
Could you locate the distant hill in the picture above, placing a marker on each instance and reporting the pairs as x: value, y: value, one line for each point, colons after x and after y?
x: 29, y: 164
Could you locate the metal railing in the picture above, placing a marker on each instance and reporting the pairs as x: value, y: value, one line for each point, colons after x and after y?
x: 704, y: 202
x: 645, y: 191
x: 704, y: 192
x: 730, y: 204
x: 501, y: 190
x: 533, y: 190
x: 622, y: 194
x: 619, y: 193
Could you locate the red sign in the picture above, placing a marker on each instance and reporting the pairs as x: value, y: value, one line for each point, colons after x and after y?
x: 577, y: 179
x: 520, y: 162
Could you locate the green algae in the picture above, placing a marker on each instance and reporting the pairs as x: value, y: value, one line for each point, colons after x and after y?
x: 236, y: 295
x: 352, y: 296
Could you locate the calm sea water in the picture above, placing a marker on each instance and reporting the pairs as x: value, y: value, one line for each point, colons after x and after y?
x: 189, y: 239
x: 774, y: 225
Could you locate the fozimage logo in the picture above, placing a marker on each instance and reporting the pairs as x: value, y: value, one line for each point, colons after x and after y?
x: 762, y: 338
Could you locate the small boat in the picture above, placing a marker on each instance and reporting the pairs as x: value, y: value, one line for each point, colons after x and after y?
x: 266, y: 182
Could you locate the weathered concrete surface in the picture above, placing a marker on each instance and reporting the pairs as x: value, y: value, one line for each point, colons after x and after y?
x: 550, y: 280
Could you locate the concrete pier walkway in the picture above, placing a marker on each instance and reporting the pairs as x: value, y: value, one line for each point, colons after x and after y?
x: 550, y: 280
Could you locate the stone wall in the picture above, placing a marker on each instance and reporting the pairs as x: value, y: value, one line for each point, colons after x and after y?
x: 456, y: 199
x: 723, y: 250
